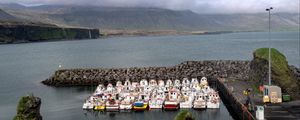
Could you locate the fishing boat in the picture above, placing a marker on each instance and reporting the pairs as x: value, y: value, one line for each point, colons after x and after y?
x: 194, y: 81
x: 153, y: 84
x: 213, y: 100
x: 126, y: 103
x: 177, y: 84
x: 161, y: 83
x: 172, y: 100
x: 119, y: 86
x: 99, y: 90
x: 143, y: 83
x: 142, y: 103
x: 186, y: 100
x: 206, y: 89
x: 157, y: 99
x: 169, y: 83
x: 110, y: 89
x: 203, y: 81
x: 185, y: 82
x: 99, y: 104
x: 199, y: 102
x: 134, y: 85
x: 112, y: 103
x: 89, y: 103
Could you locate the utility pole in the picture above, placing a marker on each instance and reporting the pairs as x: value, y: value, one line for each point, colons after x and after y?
x: 270, y: 60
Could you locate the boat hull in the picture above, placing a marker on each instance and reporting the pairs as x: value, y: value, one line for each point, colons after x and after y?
x: 112, y: 108
x: 100, y: 108
x: 140, y: 108
x: 87, y: 106
x: 213, y: 105
x: 186, y: 105
x: 125, y: 107
x: 171, y: 107
x: 199, y: 106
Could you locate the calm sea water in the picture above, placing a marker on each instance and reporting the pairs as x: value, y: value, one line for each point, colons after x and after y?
x: 24, y: 66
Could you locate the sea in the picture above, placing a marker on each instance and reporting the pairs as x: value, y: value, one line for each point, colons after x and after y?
x: 24, y: 66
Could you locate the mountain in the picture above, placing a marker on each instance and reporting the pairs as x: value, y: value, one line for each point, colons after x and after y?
x: 122, y: 18
x: 5, y: 16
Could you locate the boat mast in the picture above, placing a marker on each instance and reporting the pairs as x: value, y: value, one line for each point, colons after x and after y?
x: 269, y: 10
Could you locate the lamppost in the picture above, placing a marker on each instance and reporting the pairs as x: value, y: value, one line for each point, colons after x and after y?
x: 269, y: 10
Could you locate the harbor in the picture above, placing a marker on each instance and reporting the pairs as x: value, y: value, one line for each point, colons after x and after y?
x: 177, y: 87
x: 169, y: 95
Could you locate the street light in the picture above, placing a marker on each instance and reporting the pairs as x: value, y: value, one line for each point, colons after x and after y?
x: 269, y: 10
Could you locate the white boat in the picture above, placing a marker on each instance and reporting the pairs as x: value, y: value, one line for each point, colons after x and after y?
x: 134, y: 85
x: 194, y: 81
x: 157, y: 99
x: 119, y: 86
x: 172, y: 100
x: 199, y: 101
x: 186, y: 100
x: 153, y: 84
x: 89, y: 103
x: 142, y: 102
x: 161, y: 83
x: 127, y: 86
x: 110, y: 89
x: 143, y: 83
x: 177, y: 84
x: 185, y: 82
x: 213, y: 100
x: 206, y: 89
x: 100, y: 103
x: 126, y: 103
x: 203, y: 81
x: 112, y: 104
x: 169, y: 83
x: 99, y: 90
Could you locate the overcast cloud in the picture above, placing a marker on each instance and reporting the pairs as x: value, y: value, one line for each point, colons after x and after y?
x: 200, y: 6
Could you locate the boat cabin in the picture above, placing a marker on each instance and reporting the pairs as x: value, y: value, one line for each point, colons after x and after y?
x: 161, y: 83
x: 177, y: 82
x: 119, y: 84
x: 185, y: 82
x: 194, y: 81
x: 169, y: 83
x: 203, y: 81
x: 143, y: 83
x: 127, y: 83
x: 153, y: 83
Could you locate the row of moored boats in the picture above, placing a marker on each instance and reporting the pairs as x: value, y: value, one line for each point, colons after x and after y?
x: 153, y: 94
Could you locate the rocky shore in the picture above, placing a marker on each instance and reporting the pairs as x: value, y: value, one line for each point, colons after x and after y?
x: 29, y: 108
x: 213, y: 68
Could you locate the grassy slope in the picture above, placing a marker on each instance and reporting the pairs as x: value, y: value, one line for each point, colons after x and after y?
x: 281, y: 74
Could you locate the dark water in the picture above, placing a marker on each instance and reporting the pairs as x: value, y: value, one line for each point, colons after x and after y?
x: 23, y: 66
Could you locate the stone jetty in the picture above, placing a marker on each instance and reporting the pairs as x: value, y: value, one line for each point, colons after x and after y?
x: 235, y: 69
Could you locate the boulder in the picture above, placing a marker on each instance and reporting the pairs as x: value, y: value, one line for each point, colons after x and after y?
x: 29, y: 108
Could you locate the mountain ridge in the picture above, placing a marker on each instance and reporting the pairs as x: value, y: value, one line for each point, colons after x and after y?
x: 139, y: 18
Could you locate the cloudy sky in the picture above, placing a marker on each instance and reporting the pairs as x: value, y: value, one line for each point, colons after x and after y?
x: 200, y: 6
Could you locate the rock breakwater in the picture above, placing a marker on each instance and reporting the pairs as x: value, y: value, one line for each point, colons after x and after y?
x: 214, y: 68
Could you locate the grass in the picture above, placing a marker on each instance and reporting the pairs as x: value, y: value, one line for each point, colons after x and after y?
x: 281, y: 74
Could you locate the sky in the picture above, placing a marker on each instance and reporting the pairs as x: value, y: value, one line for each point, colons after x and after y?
x: 199, y: 6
